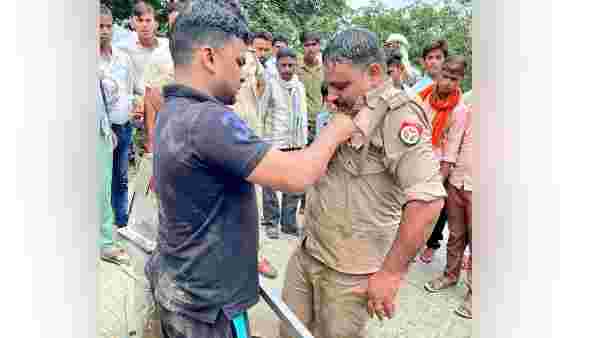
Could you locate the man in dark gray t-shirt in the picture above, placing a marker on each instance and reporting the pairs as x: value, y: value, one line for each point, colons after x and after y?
x: 206, y: 161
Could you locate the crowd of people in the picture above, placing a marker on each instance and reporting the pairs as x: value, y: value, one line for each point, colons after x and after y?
x: 242, y: 131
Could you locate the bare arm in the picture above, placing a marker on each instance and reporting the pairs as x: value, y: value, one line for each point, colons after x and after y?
x: 153, y: 102
x: 294, y: 171
x: 411, y: 235
x: 383, y: 285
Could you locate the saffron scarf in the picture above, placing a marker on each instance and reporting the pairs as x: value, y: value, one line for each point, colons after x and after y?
x: 442, y: 107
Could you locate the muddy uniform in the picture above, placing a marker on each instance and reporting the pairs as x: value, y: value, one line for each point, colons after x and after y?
x: 354, y: 211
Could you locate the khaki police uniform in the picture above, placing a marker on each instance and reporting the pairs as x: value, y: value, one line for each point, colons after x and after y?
x: 354, y: 211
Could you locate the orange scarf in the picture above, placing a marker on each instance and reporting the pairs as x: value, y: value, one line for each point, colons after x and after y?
x: 443, y: 108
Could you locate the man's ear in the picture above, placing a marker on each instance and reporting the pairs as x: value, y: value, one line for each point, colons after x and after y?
x: 422, y: 62
x: 205, y: 57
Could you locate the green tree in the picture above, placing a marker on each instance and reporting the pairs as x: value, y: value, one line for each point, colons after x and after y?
x: 292, y: 17
x: 422, y: 22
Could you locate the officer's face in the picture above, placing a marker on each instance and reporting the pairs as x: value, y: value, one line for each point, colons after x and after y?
x: 346, y: 83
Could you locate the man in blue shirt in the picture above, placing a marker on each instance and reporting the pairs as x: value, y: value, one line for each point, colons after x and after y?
x: 206, y: 162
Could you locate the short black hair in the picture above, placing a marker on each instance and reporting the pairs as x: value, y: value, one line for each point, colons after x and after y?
x: 262, y: 35
x: 437, y: 44
x: 356, y: 46
x: 286, y: 53
x: 310, y: 35
x: 280, y: 38
x: 204, y: 23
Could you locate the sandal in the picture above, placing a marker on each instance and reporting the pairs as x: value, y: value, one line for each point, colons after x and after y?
x: 439, y: 284
x: 427, y: 256
x: 114, y: 255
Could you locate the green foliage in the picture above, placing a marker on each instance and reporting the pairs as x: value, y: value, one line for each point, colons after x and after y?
x: 422, y: 22
x: 292, y: 17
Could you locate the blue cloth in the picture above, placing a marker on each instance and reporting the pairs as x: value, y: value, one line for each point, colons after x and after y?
x: 120, y: 177
x: 206, y: 260
x: 422, y: 84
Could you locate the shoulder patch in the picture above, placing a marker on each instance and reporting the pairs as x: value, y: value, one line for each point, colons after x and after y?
x: 410, y: 133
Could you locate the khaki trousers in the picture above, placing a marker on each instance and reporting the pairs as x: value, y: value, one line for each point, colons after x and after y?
x: 322, y: 299
x: 460, y: 226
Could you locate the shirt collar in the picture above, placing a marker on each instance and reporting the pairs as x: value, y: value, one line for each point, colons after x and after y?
x: 374, y: 94
x: 179, y: 90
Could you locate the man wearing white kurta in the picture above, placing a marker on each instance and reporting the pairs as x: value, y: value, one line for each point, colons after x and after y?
x: 284, y: 111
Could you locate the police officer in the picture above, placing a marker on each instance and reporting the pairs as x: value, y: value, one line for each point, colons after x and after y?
x: 367, y: 217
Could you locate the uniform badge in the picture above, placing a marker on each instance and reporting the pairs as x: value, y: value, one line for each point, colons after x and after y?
x: 410, y: 133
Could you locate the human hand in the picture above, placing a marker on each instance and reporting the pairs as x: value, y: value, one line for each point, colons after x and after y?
x: 343, y: 126
x: 380, y: 292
